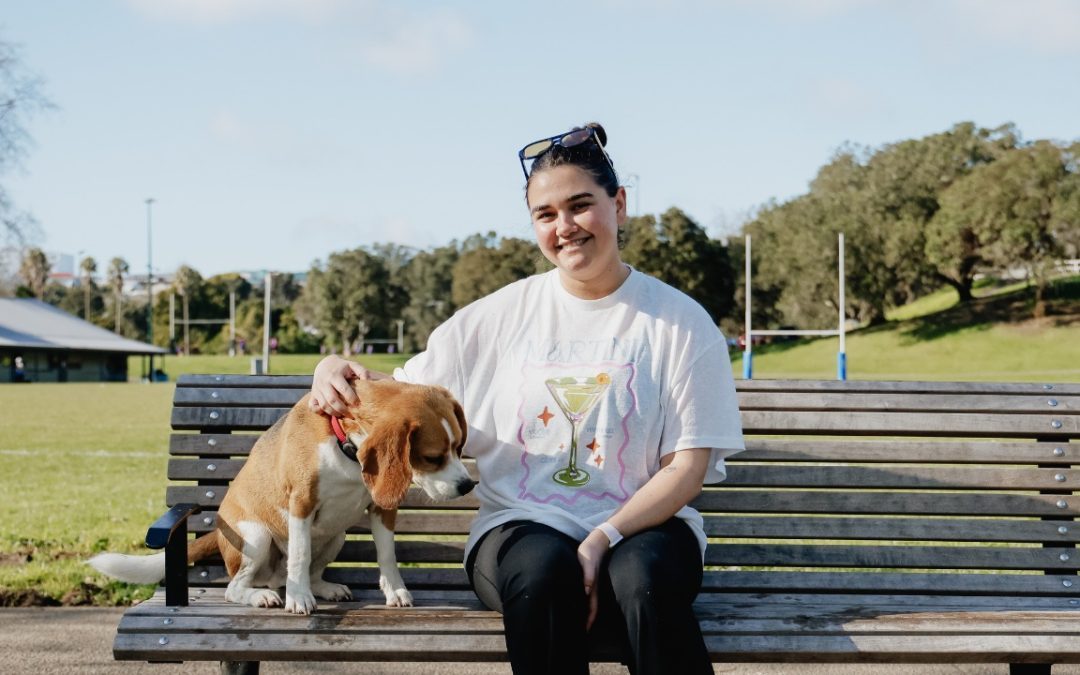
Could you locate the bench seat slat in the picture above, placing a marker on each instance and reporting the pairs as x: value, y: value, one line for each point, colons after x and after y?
x: 748, y: 400
x: 843, y: 423
x: 909, y: 403
x: 973, y: 425
x: 888, y: 503
x: 246, y: 381
x: 748, y: 475
x: 910, y: 387
x: 894, y: 451
x: 889, y: 529
x: 212, y: 604
x: 890, y: 557
x: 901, y: 477
x: 212, y: 445
x: 256, y: 397
x: 759, y: 501
x: 221, y: 468
x: 784, y: 527
x: 220, y: 419
x: 780, y: 555
x: 408, y: 522
x: 442, y: 582
x: 766, y: 450
x: 860, y: 386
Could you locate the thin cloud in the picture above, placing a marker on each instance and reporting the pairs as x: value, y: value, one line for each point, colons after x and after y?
x: 229, y: 11
x: 843, y: 98
x: 381, y: 35
x: 1045, y: 26
x: 416, y: 44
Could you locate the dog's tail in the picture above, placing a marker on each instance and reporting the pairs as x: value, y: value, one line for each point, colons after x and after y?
x: 149, y: 569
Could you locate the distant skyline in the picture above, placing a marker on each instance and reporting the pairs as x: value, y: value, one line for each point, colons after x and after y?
x: 272, y: 133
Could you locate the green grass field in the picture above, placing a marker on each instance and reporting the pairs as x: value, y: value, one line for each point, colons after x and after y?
x: 82, y: 466
x: 280, y: 364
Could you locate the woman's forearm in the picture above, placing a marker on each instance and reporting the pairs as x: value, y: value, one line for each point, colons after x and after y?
x: 676, y: 484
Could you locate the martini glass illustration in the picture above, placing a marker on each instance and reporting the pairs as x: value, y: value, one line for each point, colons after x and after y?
x: 576, y: 396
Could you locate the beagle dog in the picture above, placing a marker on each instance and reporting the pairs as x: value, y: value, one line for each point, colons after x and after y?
x: 308, y: 479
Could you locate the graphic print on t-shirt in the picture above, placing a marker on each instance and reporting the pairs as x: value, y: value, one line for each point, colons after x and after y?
x: 573, y: 428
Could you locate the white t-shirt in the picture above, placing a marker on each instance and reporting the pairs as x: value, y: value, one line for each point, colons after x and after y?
x: 627, y: 378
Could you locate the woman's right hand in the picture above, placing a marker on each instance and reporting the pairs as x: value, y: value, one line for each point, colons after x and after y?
x: 331, y: 391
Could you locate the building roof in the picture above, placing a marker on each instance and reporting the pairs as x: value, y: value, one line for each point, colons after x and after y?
x: 32, y: 324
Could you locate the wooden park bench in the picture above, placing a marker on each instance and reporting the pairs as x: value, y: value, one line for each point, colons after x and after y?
x: 901, y: 522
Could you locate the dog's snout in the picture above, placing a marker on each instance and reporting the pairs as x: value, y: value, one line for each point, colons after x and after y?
x: 465, y: 486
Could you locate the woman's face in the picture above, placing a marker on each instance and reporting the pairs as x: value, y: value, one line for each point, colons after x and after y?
x: 577, y: 227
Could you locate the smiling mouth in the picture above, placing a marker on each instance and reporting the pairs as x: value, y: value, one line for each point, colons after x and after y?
x: 573, y: 243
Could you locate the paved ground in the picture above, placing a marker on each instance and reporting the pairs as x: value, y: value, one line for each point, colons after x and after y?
x: 77, y: 641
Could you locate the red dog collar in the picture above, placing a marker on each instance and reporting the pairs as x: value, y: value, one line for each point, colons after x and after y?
x: 344, y: 444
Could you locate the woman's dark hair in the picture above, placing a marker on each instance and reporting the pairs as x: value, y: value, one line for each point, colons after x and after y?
x: 587, y: 156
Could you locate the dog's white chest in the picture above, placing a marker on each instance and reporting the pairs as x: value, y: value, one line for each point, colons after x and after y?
x: 343, y: 497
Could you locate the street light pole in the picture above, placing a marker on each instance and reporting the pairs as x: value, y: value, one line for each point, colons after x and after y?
x: 149, y: 285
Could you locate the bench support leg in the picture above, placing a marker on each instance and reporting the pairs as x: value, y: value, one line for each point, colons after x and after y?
x: 1029, y: 669
x: 239, y: 668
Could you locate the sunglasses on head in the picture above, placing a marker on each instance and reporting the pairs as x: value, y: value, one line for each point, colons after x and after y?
x: 570, y: 139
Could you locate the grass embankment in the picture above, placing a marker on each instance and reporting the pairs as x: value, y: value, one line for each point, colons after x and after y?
x: 82, y: 470
x: 937, y: 338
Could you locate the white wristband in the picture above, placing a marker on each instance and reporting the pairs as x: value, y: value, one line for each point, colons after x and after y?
x: 611, y: 532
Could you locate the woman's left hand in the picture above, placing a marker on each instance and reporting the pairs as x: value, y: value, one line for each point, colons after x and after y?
x: 591, y: 554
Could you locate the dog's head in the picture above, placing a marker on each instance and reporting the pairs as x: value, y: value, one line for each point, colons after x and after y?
x: 415, y: 433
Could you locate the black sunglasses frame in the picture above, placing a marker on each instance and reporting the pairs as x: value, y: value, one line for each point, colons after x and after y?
x: 567, y: 139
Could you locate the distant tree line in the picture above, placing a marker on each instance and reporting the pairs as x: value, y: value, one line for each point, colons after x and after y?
x: 916, y: 215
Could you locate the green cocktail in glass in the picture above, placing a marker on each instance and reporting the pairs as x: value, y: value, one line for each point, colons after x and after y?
x: 576, y: 396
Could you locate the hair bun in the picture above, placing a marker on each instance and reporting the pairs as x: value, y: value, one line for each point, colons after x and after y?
x: 600, y: 133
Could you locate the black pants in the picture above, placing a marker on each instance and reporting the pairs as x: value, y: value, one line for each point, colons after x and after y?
x: 530, y: 573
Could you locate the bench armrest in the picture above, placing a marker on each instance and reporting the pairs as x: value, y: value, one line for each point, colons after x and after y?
x: 161, y: 531
x: 170, y: 533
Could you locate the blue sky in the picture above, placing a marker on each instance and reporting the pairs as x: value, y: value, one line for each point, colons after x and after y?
x: 273, y: 132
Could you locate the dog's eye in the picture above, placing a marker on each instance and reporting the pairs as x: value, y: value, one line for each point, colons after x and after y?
x: 433, y: 460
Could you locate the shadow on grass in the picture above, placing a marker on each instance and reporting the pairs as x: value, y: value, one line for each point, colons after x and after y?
x: 1061, y: 300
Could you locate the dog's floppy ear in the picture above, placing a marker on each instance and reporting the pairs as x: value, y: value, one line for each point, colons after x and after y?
x: 384, y: 459
x: 459, y: 413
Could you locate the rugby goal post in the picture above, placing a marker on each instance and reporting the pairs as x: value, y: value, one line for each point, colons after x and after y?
x: 748, y: 347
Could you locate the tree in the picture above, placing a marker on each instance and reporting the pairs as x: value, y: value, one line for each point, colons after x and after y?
x: 882, y: 200
x: 346, y: 291
x: 118, y: 267
x: 396, y: 259
x: 429, y: 280
x: 87, y: 267
x: 21, y: 97
x: 1065, y: 218
x: 679, y: 252
x: 1016, y: 211
x: 487, y: 263
x: 34, y: 271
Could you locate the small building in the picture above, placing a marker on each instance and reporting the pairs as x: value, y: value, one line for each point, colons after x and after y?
x: 42, y: 343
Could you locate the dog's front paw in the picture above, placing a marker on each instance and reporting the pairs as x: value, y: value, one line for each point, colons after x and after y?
x: 263, y: 597
x: 300, y: 602
x: 396, y: 595
x: 329, y: 591
x: 399, y: 598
